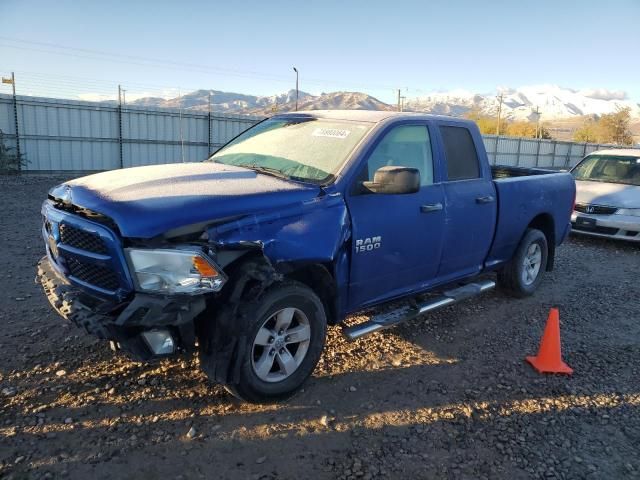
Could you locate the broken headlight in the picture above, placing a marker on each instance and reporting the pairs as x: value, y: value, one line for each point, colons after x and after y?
x: 174, y: 271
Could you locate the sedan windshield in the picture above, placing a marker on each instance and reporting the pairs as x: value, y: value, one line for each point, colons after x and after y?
x: 300, y: 148
x: 609, y: 169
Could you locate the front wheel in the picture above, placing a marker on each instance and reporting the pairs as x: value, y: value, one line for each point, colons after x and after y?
x: 286, y: 334
x: 523, y: 273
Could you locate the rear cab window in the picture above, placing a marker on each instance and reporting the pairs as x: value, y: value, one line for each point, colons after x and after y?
x: 460, y: 151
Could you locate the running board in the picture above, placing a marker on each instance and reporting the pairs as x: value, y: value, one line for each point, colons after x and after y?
x: 391, y: 319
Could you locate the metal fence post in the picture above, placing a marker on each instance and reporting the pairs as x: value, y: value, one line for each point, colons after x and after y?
x: 15, y: 118
x: 209, y: 126
x: 518, y: 154
x: 568, y: 157
x: 539, y: 140
x: 120, y: 127
x: 209, y: 135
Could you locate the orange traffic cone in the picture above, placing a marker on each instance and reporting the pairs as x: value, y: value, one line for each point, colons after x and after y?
x: 549, y: 358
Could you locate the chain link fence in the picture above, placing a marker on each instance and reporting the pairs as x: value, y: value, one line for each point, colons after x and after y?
x: 68, y: 135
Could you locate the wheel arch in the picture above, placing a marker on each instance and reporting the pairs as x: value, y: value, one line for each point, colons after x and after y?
x: 318, y: 277
x: 545, y: 223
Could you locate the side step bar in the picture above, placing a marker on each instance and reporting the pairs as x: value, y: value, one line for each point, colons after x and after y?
x: 407, y: 312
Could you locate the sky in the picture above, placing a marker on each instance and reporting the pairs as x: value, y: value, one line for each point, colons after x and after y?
x: 86, y: 48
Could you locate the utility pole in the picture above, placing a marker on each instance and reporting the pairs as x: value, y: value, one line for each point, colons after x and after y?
x: 12, y: 81
x: 296, y: 70
x: 500, y: 98
x: 15, y: 117
x: 402, y: 99
x: 537, y: 112
x: 399, y: 101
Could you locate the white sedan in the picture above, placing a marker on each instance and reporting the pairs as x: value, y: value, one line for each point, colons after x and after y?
x: 608, y: 195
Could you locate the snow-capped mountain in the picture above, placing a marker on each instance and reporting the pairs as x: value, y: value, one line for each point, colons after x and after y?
x: 552, y: 101
x: 257, y: 105
x: 221, y: 101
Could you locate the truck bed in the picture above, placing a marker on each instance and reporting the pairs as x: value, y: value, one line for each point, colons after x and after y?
x: 524, y: 194
x: 504, y: 171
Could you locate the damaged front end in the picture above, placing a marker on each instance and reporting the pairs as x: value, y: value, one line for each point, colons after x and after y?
x: 159, y: 296
x: 144, y: 300
x: 145, y: 327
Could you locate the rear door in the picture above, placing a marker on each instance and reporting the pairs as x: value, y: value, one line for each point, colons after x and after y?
x: 397, y: 238
x: 470, y: 200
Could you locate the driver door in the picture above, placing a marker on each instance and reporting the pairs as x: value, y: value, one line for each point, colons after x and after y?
x: 397, y: 238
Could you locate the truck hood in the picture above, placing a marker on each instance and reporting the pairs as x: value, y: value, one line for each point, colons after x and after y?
x: 148, y: 201
x: 610, y: 194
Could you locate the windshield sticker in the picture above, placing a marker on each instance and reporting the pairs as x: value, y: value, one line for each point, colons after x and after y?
x: 331, y: 132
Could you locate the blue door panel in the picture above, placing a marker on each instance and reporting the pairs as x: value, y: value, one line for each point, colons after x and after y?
x: 470, y: 226
x: 396, y: 247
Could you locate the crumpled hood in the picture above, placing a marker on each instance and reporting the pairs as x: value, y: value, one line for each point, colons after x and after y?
x: 610, y: 194
x: 149, y: 201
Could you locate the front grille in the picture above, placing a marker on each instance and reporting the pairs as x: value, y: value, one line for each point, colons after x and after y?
x: 93, y: 274
x: 86, y: 213
x: 595, y: 209
x: 603, y: 230
x: 88, y: 241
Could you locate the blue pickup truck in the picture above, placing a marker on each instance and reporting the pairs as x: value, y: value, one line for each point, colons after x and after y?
x: 295, y: 224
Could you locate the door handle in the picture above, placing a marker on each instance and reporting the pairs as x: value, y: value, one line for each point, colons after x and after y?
x: 432, y: 207
x: 485, y: 199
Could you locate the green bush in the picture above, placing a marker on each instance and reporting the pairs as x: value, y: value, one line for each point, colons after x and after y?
x: 10, y: 161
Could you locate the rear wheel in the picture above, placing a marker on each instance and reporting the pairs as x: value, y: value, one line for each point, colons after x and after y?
x: 521, y: 276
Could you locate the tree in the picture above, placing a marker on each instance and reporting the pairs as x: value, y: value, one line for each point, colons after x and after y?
x: 609, y: 128
x: 487, y: 125
x: 521, y: 129
x: 588, y: 132
x: 10, y: 161
x: 527, y: 130
x: 614, y: 127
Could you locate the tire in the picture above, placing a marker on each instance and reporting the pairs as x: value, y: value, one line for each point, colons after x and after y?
x: 515, y: 278
x: 280, y: 302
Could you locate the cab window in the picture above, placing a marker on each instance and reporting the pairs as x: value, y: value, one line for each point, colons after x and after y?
x: 404, y: 146
x: 462, y: 158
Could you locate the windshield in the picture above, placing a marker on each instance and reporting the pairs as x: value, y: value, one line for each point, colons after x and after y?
x: 303, y: 148
x: 610, y: 169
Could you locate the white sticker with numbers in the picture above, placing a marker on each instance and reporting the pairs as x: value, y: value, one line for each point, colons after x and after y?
x: 331, y: 132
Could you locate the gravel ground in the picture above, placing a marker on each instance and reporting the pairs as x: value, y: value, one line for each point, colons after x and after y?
x: 446, y: 396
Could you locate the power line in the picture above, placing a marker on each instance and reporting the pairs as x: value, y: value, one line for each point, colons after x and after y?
x: 119, y: 56
x: 65, y: 50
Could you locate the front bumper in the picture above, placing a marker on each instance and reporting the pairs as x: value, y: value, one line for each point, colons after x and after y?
x: 123, y: 323
x: 619, y: 227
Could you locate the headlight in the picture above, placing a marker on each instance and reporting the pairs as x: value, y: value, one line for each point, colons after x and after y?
x: 175, y: 271
x: 634, y: 212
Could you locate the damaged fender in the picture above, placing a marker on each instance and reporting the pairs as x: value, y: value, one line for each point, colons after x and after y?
x: 300, y: 234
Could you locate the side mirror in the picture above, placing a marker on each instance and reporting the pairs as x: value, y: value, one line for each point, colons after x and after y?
x: 396, y: 180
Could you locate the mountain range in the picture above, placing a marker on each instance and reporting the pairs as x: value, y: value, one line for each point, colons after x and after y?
x: 552, y: 102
